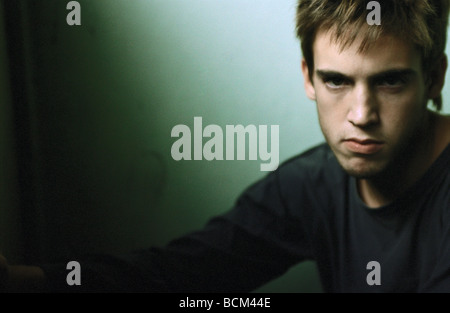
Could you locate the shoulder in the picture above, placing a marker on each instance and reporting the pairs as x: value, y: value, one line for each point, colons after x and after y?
x: 313, y: 178
x: 310, y: 179
x: 445, y: 185
x: 317, y: 164
x: 303, y: 188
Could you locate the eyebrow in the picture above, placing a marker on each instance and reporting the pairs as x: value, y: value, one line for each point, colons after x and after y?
x: 399, y: 72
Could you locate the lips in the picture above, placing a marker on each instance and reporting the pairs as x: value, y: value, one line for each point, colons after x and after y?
x: 363, y: 146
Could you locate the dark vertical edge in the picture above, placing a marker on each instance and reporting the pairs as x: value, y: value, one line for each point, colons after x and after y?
x: 15, y: 26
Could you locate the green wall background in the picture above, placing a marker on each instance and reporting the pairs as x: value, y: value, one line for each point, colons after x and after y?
x: 106, y: 94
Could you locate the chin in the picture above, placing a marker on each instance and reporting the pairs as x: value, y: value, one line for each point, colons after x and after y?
x: 361, y: 174
x: 362, y: 168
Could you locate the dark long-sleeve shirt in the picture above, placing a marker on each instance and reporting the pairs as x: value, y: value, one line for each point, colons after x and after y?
x: 308, y: 209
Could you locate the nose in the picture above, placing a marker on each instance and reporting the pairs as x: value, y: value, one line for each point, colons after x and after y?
x: 363, y: 109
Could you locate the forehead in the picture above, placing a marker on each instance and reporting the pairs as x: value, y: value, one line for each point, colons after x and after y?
x: 386, y: 53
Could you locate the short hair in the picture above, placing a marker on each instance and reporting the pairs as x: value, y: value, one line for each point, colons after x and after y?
x: 422, y: 22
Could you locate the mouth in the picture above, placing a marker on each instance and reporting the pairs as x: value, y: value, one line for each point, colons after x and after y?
x: 365, y: 146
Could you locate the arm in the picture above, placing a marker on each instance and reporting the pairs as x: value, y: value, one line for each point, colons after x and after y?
x: 239, y: 251
x: 255, y: 242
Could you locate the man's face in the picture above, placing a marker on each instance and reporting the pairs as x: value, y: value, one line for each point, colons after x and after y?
x: 371, y: 105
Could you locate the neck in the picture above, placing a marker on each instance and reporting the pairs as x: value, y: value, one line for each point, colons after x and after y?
x: 410, y: 166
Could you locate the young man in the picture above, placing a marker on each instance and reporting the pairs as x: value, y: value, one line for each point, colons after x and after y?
x: 375, y: 194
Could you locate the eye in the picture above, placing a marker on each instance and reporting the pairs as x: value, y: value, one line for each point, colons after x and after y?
x: 392, y: 81
x: 335, y: 82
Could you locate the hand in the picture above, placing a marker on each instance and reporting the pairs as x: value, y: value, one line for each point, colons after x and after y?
x: 20, y: 278
x: 4, y: 273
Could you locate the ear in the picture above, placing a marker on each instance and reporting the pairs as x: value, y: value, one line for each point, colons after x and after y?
x: 437, y: 78
x: 309, y: 86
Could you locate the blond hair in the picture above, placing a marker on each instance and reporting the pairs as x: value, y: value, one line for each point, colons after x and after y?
x: 422, y: 22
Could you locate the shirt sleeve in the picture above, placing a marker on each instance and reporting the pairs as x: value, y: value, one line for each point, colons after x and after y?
x: 239, y: 251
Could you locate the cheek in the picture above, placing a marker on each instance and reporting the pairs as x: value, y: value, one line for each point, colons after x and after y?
x: 332, y: 115
x: 331, y: 107
x: 398, y: 111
